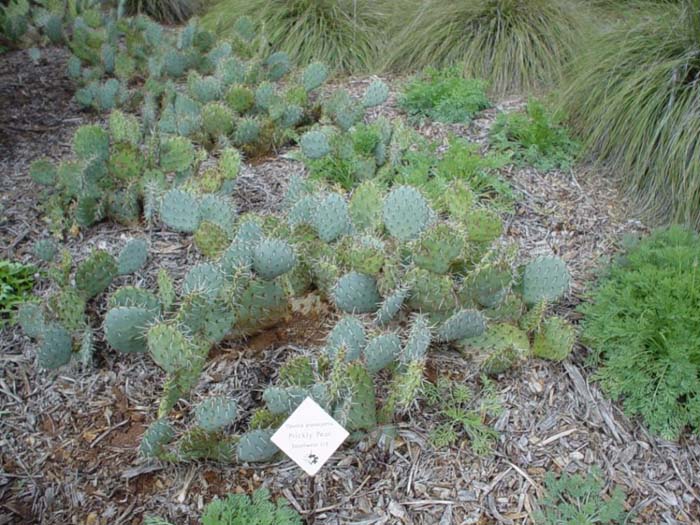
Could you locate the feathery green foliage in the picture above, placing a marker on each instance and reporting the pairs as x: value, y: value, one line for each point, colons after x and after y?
x: 644, y: 330
x: 462, y: 412
x: 514, y: 44
x: 445, y: 96
x: 346, y: 34
x: 633, y: 99
x: 239, y: 509
x: 16, y: 283
x: 578, y: 499
x: 534, y: 136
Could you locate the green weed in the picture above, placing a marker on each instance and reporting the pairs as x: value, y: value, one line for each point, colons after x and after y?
x: 536, y: 137
x: 445, y: 96
x: 16, y: 284
x: 462, y: 413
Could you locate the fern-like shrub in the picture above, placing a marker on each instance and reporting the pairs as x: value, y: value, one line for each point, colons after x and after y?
x: 515, y: 44
x: 346, y: 34
x: 536, y: 137
x: 633, y: 97
x: 258, y: 510
x: 445, y: 96
x: 643, y: 328
x: 578, y: 499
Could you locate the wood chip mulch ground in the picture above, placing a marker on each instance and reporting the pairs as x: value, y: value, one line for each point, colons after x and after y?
x: 68, y: 439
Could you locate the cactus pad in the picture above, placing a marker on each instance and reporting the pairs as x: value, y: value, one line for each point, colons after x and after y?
x: 331, y: 219
x: 95, y: 273
x: 272, y: 258
x: 56, y: 347
x: 349, y: 334
x: 406, y: 213
x: 156, y: 437
x: 180, y: 211
x: 314, y: 144
x: 125, y: 328
x: 545, y: 279
x: 256, y: 446
x: 555, y: 340
x: 132, y: 256
x: 356, y: 293
x: 381, y: 352
x: 215, y: 413
x: 462, y: 324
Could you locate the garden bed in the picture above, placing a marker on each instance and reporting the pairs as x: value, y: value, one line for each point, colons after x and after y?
x: 69, y: 439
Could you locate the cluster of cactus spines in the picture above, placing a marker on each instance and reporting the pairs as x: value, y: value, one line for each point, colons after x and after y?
x: 381, y: 351
x: 272, y: 258
x: 545, y: 278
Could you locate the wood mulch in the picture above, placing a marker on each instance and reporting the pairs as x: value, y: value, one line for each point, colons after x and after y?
x: 68, y: 439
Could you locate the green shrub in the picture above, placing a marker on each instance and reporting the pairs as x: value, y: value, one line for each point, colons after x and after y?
x: 16, y: 283
x: 514, y: 44
x: 346, y: 34
x: 443, y: 95
x: 578, y: 499
x: 166, y: 11
x: 644, y: 331
x: 633, y: 98
x: 258, y: 510
x: 534, y: 136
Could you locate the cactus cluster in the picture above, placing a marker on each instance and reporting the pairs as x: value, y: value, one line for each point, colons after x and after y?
x: 60, y: 325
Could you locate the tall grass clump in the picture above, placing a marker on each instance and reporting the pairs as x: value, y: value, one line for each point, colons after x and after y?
x: 634, y: 98
x: 166, y: 11
x: 345, y: 34
x: 515, y: 44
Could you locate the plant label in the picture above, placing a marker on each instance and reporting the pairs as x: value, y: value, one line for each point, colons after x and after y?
x: 310, y: 436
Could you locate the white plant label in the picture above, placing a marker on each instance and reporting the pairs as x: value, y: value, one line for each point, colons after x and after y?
x: 310, y: 436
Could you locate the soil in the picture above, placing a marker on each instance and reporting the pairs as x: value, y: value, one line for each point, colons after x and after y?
x: 69, y: 438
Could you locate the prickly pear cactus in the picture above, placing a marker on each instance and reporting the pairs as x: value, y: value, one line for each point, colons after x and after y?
x: 133, y: 256
x: 381, y: 351
x: 418, y: 340
x: 314, y: 76
x: 438, y: 248
x: 126, y: 327
x: 376, y: 94
x: 255, y: 446
x: 502, y: 347
x: 30, y: 317
x: 45, y: 250
x: 462, y: 324
x: 348, y: 334
x: 96, y: 273
x: 157, y: 436
x: 331, y: 219
x: 216, y: 413
x: 356, y: 293
x: 406, y: 213
x: 179, y: 211
x: 391, y: 305
x: 272, y: 258
x: 555, y: 339
x: 314, y: 144
x: 545, y: 279
x: 55, y: 348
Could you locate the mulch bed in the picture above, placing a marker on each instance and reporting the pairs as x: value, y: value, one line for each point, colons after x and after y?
x: 68, y: 439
